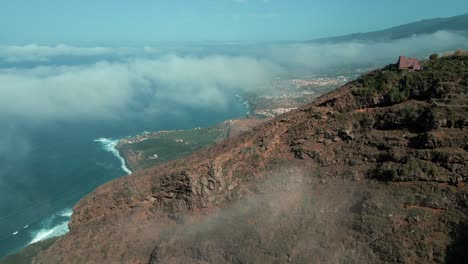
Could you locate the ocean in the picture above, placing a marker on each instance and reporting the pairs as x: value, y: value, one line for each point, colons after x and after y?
x: 68, y: 159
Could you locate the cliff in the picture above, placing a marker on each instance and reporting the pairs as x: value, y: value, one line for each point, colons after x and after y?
x: 373, y: 172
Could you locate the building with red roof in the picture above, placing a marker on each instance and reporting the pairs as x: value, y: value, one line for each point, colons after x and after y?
x: 409, y: 63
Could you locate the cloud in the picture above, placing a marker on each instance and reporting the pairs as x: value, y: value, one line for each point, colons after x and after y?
x: 328, y: 56
x: 34, y: 52
x: 202, y: 76
x: 108, y: 89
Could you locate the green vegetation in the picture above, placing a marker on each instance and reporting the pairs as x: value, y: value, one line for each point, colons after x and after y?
x: 412, y: 169
x: 407, y: 116
x: 173, y: 144
x: 434, y: 56
x: 438, y: 79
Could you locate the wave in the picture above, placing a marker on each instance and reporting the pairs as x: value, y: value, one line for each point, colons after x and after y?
x: 54, y: 226
x: 66, y: 213
x: 244, y: 102
x: 58, y: 230
x: 17, y: 231
x: 110, y: 145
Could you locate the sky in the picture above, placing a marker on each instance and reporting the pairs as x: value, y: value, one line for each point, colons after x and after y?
x: 124, y: 22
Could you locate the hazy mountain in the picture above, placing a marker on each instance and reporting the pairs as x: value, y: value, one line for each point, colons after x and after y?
x: 427, y: 26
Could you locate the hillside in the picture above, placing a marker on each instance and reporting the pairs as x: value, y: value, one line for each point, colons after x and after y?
x: 427, y: 26
x: 373, y: 172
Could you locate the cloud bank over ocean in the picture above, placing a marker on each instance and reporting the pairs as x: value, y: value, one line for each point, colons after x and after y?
x: 110, y: 89
x: 163, y: 76
x: 34, y: 52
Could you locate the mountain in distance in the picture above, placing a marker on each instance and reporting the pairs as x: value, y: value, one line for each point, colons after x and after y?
x: 426, y: 26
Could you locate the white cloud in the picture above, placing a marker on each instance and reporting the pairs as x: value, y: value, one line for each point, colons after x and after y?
x: 106, y: 90
x: 34, y: 52
x: 325, y: 56
x: 109, y: 89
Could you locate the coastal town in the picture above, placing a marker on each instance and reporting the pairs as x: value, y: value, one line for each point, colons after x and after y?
x: 283, y: 96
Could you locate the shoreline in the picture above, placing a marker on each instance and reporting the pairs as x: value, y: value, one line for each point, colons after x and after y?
x: 152, y: 148
x: 110, y: 145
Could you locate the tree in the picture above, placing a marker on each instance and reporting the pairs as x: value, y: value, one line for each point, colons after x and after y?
x: 434, y: 56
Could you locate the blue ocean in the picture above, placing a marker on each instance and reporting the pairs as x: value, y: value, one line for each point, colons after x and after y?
x: 68, y: 159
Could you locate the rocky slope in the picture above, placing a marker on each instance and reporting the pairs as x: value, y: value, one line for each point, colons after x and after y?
x: 373, y: 172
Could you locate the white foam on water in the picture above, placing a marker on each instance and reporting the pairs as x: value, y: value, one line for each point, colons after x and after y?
x: 66, y: 213
x: 244, y: 102
x: 58, y: 230
x: 15, y: 233
x: 109, y: 144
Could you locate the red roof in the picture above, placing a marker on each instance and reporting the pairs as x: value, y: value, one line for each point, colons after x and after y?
x: 409, y: 63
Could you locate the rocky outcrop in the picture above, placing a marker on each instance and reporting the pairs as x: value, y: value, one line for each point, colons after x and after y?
x: 373, y: 172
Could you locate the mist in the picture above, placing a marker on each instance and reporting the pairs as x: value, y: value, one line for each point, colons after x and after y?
x: 111, y: 89
x: 325, y: 57
x: 193, y: 77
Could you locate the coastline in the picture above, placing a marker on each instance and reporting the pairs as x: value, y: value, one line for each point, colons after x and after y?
x: 110, y: 145
x: 152, y: 148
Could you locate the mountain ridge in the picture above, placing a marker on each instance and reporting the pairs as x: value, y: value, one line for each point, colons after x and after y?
x: 425, y: 26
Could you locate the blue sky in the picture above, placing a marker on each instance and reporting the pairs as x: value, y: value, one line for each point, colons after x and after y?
x: 151, y: 21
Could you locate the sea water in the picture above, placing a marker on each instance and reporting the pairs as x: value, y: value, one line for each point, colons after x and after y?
x: 69, y: 159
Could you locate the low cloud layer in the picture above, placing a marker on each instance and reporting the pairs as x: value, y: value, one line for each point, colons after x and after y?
x: 329, y: 56
x: 106, y: 89
x: 191, y: 76
x: 34, y: 52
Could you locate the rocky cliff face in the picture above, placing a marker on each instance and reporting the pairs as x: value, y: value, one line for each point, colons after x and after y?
x: 374, y: 172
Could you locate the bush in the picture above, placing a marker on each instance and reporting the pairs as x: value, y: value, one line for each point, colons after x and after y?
x: 365, y: 121
x: 434, y: 56
x: 458, y: 52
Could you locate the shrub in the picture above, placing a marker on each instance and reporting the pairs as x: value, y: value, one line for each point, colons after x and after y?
x: 434, y: 56
x: 458, y: 52
x: 363, y: 91
x: 396, y: 96
x: 365, y: 121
